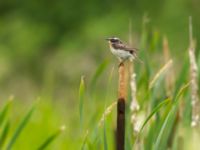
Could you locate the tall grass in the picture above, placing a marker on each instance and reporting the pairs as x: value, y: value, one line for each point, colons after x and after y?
x: 9, y: 137
x: 163, y: 96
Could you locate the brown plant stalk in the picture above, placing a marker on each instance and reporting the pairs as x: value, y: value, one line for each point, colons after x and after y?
x: 121, y: 109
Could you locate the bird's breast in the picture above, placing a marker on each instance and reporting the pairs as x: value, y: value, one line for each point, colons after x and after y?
x: 120, y: 53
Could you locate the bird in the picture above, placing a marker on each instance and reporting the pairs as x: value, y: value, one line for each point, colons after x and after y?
x: 121, y: 50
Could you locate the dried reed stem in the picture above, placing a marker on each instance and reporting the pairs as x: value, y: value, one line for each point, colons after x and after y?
x: 121, y: 109
x: 194, y: 83
x: 134, y: 105
x: 161, y: 71
x: 106, y: 113
x: 169, y: 80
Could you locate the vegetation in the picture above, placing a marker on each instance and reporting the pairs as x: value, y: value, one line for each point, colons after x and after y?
x: 63, y: 81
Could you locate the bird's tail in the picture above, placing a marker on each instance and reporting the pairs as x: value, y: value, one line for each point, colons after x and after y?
x: 139, y: 60
x: 135, y: 57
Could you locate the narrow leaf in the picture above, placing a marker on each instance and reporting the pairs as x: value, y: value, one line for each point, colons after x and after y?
x: 84, y: 140
x: 4, y: 134
x: 4, y: 111
x: 162, y: 138
x: 20, y: 128
x: 105, y: 137
x: 155, y: 110
x: 81, y: 98
x: 51, y: 138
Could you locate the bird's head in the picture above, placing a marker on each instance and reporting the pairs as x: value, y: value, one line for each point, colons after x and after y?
x: 113, y: 40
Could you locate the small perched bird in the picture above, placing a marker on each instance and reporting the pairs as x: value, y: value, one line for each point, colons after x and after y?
x: 121, y: 50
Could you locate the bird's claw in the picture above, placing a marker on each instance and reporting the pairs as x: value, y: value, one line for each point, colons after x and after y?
x: 120, y: 64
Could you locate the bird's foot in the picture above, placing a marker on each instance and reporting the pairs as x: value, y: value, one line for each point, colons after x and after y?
x: 121, y: 64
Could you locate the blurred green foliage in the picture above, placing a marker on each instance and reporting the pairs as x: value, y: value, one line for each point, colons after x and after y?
x: 46, y: 46
x: 39, y: 36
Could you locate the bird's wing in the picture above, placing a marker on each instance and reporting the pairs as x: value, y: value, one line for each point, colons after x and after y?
x: 124, y: 47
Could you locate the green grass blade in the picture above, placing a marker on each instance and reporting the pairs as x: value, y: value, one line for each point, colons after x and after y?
x: 4, y: 111
x: 144, y: 48
x: 162, y: 138
x: 164, y: 133
x: 181, y: 91
x: 50, y: 139
x: 20, y: 128
x: 4, y: 134
x: 182, y: 76
x: 98, y: 72
x: 110, y: 77
x: 105, y: 144
x: 81, y: 98
x: 84, y: 140
x: 187, y: 111
x: 155, y: 110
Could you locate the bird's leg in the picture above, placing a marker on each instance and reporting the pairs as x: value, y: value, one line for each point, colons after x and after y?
x: 121, y: 63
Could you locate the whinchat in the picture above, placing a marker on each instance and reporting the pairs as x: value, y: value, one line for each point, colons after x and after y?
x: 121, y: 50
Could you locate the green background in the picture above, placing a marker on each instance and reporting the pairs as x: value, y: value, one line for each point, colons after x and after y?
x: 46, y: 46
